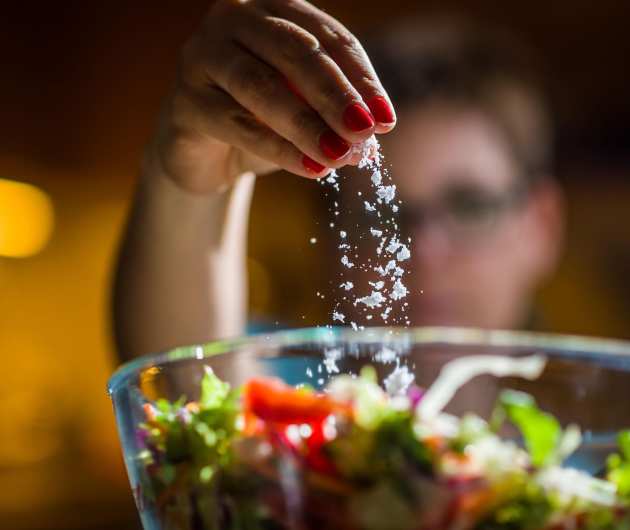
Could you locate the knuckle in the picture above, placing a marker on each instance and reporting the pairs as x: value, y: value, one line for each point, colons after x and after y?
x: 344, y: 39
x: 254, y: 81
x: 305, y: 121
x: 297, y: 44
x: 248, y: 128
x: 276, y: 149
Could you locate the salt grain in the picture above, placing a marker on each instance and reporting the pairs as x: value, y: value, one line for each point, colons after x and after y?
x: 398, y: 381
x: 398, y: 290
x: 346, y: 262
x: 338, y: 316
x: 375, y: 299
x: 403, y: 253
x: 386, y: 193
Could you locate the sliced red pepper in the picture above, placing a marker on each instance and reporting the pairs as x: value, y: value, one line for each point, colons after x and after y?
x: 275, y: 401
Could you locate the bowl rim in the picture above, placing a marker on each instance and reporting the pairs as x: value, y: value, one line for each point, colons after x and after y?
x: 594, y: 347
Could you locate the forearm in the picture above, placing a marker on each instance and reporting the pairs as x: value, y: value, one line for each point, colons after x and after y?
x: 181, y: 274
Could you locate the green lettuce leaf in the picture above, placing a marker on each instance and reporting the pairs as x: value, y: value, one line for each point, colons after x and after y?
x: 541, y: 431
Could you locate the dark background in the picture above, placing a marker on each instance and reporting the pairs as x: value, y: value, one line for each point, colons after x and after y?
x: 79, y: 90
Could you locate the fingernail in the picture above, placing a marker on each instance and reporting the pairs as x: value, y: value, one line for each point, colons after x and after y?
x: 333, y: 145
x: 382, y: 110
x: 311, y: 165
x: 357, y: 118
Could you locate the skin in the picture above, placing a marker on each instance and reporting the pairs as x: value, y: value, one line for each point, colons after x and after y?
x: 488, y: 280
x: 181, y: 270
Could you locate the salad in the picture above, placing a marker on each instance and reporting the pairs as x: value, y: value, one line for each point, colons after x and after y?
x: 354, y: 457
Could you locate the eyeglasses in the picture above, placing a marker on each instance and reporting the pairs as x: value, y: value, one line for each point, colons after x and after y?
x: 463, y: 211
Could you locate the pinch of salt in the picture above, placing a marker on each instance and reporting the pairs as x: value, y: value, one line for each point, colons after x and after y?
x: 369, y: 207
x: 338, y: 316
x: 398, y: 290
x: 403, y: 253
x: 375, y: 299
x: 386, y: 193
x: 346, y: 262
x: 347, y: 285
x: 375, y: 232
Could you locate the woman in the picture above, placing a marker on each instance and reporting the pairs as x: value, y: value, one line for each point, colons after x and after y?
x: 265, y: 85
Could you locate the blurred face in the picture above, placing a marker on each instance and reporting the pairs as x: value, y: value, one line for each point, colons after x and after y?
x: 481, y: 242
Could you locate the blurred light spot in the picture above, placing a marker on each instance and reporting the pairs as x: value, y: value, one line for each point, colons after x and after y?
x: 26, y: 219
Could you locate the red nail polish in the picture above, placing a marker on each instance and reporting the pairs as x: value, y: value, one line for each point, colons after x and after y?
x: 357, y: 118
x: 311, y: 165
x: 333, y: 145
x: 381, y: 110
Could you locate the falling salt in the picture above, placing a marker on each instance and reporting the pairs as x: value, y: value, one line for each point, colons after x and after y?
x: 403, y: 253
x: 313, y: 240
x: 386, y: 355
x: 375, y: 232
x: 398, y: 290
x: 375, y: 299
x: 391, y: 266
x: 369, y: 207
x: 330, y: 360
x: 398, y: 381
x: 377, y: 285
x: 338, y: 316
x: 386, y: 193
x: 342, y: 234
x: 393, y: 245
x: 377, y: 178
x: 346, y: 262
x: 354, y: 326
x: 346, y: 285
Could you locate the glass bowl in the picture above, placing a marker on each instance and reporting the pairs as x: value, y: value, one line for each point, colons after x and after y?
x: 585, y: 382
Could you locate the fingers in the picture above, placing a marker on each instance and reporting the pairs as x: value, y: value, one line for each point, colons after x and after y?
x: 298, y: 56
x: 216, y: 115
x: 264, y: 92
x: 345, y: 49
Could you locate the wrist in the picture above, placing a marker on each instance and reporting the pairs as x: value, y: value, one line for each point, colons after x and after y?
x: 217, y: 217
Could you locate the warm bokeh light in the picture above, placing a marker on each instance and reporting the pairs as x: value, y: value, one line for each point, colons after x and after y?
x: 26, y: 219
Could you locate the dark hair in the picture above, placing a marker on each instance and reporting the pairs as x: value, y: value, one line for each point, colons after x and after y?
x: 452, y: 61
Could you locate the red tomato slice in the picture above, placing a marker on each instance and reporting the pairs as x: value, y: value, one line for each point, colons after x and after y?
x: 275, y: 401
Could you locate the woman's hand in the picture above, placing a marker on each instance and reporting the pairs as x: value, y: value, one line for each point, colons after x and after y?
x: 263, y: 85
